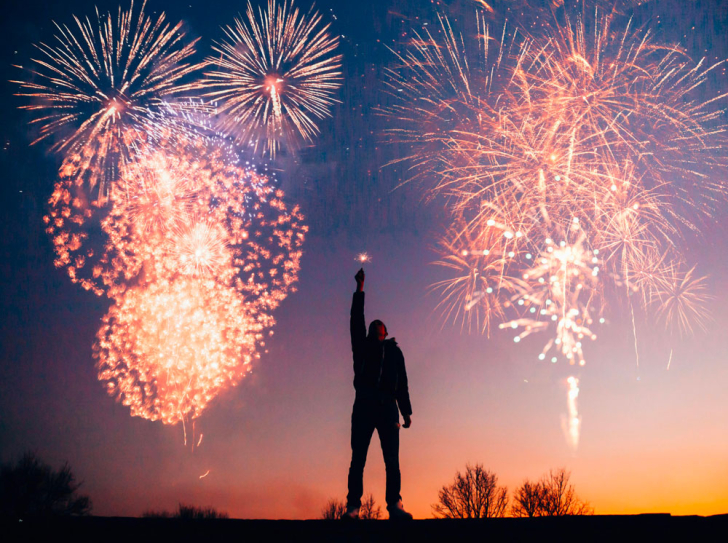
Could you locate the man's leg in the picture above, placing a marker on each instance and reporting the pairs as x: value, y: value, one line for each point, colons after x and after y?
x: 362, y: 428
x: 388, y: 429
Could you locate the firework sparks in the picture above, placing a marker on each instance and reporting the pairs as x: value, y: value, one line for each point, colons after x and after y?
x: 559, y: 289
x: 593, y: 139
x: 97, y: 89
x: 198, y: 252
x: 363, y: 258
x: 166, y: 349
x: 275, y: 76
x: 206, y: 250
x: 153, y: 207
x: 481, y: 262
x: 682, y: 299
x: 182, y: 207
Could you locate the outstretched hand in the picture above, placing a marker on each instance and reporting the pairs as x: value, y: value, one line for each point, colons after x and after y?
x: 407, y: 421
x: 359, y: 280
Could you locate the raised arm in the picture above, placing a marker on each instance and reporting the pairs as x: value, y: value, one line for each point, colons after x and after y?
x: 357, y: 325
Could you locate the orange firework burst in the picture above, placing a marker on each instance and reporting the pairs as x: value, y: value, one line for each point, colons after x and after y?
x: 275, y: 76
x: 97, y: 90
x: 166, y: 349
x: 201, y: 248
x: 182, y: 207
x: 581, y: 134
x: 198, y: 252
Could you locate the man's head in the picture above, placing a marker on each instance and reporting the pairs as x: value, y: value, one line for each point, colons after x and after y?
x: 377, y: 330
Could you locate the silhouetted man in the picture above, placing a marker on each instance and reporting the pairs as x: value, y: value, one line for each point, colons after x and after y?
x: 380, y: 380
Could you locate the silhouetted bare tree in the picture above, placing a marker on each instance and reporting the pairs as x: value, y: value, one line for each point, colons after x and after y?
x: 188, y: 512
x: 31, y: 489
x: 552, y: 496
x: 474, y: 494
x: 369, y: 510
x: 527, y: 500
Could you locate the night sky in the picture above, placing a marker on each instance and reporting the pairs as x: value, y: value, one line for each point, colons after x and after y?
x: 277, y: 445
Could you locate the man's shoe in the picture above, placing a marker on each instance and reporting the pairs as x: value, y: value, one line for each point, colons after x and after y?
x: 352, y: 513
x: 397, y: 512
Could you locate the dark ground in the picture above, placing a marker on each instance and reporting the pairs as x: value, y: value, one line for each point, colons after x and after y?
x: 594, y: 528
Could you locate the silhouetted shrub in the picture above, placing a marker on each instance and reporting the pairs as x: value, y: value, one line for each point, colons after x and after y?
x: 193, y: 512
x: 369, y: 510
x: 31, y: 489
x: 188, y: 512
x: 151, y: 513
x: 333, y: 509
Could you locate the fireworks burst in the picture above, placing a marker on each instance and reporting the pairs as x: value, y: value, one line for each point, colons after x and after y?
x: 275, y: 76
x: 682, y: 296
x: 182, y: 207
x: 585, y: 141
x: 201, y: 248
x: 481, y: 261
x: 198, y: 252
x: 154, y: 209
x: 167, y: 349
x: 559, y: 289
x: 97, y: 88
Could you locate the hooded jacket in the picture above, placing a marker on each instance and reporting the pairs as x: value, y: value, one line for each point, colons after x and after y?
x: 379, y: 371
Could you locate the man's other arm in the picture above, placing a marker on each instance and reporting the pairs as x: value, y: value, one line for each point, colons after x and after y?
x: 403, y: 399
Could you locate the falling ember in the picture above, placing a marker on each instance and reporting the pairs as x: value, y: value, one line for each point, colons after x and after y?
x: 274, y: 76
x: 572, y: 424
x: 205, y: 474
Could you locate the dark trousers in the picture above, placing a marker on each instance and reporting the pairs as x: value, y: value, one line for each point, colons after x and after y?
x: 368, y: 415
